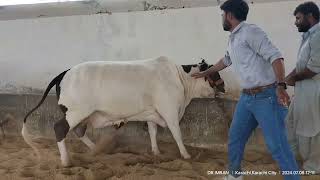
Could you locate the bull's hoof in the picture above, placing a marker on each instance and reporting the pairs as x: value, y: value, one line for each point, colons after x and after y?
x: 186, y: 156
x: 66, y: 164
x: 156, y: 152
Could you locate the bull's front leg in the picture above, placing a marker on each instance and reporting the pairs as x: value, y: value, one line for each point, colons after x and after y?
x: 152, y: 127
x: 173, y: 125
x: 172, y: 120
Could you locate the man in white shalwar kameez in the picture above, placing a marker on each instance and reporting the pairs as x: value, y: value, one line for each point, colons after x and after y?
x: 303, y: 118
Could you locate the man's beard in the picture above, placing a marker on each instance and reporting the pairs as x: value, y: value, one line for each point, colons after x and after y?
x: 304, y: 26
x: 226, y: 25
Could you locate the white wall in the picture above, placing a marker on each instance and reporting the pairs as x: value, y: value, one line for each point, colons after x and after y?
x: 33, y: 51
x: 87, y: 7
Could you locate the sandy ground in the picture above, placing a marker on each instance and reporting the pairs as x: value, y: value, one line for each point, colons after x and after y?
x: 122, y: 158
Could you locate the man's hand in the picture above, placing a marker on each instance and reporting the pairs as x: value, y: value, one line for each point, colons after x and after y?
x: 283, y: 97
x: 200, y: 74
x: 290, y: 81
x: 215, y: 68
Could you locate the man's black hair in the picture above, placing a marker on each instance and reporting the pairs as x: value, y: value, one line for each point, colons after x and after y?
x: 239, y: 8
x: 308, y: 8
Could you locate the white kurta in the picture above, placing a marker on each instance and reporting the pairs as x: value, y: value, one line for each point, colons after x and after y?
x: 306, y: 104
x: 303, y: 120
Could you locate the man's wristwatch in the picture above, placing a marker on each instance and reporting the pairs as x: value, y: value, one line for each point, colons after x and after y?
x: 282, y: 84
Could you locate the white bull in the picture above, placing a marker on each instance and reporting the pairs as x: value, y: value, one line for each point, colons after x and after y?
x: 105, y: 93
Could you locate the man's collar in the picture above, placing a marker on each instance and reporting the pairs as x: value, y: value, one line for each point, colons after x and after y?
x: 238, y: 27
x: 313, y: 29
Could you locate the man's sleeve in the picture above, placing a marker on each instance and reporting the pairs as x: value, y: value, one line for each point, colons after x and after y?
x: 226, y: 60
x: 258, y: 40
x: 314, y: 61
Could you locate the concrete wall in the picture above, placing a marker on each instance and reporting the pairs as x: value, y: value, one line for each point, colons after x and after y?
x: 87, y: 7
x: 33, y: 51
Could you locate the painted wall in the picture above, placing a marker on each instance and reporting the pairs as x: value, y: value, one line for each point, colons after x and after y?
x: 33, y: 51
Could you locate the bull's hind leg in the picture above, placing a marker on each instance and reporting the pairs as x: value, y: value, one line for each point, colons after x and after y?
x: 80, y: 131
x: 61, y: 129
x: 152, y: 127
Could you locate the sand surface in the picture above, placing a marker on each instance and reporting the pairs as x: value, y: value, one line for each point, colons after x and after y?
x: 123, y: 158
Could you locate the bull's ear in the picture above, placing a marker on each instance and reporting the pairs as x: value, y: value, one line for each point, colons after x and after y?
x: 186, y: 68
x: 203, y: 61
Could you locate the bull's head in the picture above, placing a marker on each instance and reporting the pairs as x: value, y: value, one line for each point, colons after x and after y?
x: 214, y: 80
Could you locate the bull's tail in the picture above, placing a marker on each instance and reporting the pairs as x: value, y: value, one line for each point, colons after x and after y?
x: 28, y: 140
x: 24, y: 131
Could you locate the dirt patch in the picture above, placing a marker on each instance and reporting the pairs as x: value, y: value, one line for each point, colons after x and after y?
x: 123, y: 158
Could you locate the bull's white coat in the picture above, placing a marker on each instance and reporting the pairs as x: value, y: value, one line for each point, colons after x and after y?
x: 127, y: 91
x: 104, y: 93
